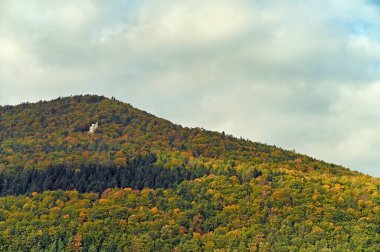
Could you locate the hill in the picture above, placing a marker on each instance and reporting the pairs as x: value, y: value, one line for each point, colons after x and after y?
x: 141, y: 183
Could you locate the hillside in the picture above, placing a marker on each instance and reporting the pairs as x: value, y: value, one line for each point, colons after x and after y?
x: 172, y: 188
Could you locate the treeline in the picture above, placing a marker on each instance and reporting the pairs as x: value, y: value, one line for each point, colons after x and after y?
x: 40, y: 134
x: 141, y: 173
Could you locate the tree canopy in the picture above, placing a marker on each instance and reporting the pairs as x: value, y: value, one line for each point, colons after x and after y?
x: 141, y: 183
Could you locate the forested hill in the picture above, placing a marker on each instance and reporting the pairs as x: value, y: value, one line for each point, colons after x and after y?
x: 56, y: 132
x: 142, y: 183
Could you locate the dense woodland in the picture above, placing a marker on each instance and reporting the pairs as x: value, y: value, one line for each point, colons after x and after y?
x: 141, y: 173
x: 141, y: 183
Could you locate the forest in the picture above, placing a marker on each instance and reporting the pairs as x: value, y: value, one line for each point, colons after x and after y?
x: 142, y: 183
x: 142, y: 173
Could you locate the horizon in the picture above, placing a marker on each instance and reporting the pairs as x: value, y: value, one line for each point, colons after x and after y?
x: 191, y: 127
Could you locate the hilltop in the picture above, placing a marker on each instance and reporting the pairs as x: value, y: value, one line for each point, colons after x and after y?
x: 56, y: 132
x: 142, y: 183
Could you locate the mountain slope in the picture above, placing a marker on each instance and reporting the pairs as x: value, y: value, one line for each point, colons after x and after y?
x: 184, y: 189
x: 56, y: 132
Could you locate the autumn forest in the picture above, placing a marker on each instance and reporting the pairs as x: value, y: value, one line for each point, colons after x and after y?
x: 141, y: 183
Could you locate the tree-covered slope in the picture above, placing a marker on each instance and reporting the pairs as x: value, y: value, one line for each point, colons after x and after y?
x: 56, y: 132
x: 173, y: 188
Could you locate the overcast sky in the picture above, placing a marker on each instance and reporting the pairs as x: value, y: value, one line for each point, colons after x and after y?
x: 301, y: 75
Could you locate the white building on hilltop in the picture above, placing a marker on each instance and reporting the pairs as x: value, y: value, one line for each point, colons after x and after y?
x: 93, y: 127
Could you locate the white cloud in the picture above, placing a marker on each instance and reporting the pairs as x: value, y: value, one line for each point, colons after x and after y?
x: 300, y: 74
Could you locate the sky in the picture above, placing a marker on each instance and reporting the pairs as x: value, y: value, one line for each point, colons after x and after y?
x: 301, y: 75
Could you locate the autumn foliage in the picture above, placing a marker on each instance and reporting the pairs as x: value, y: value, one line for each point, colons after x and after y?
x: 141, y: 183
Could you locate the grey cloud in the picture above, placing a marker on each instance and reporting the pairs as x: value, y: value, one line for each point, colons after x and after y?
x: 272, y: 71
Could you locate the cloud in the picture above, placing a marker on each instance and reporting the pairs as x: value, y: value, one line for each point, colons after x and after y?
x: 301, y: 74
